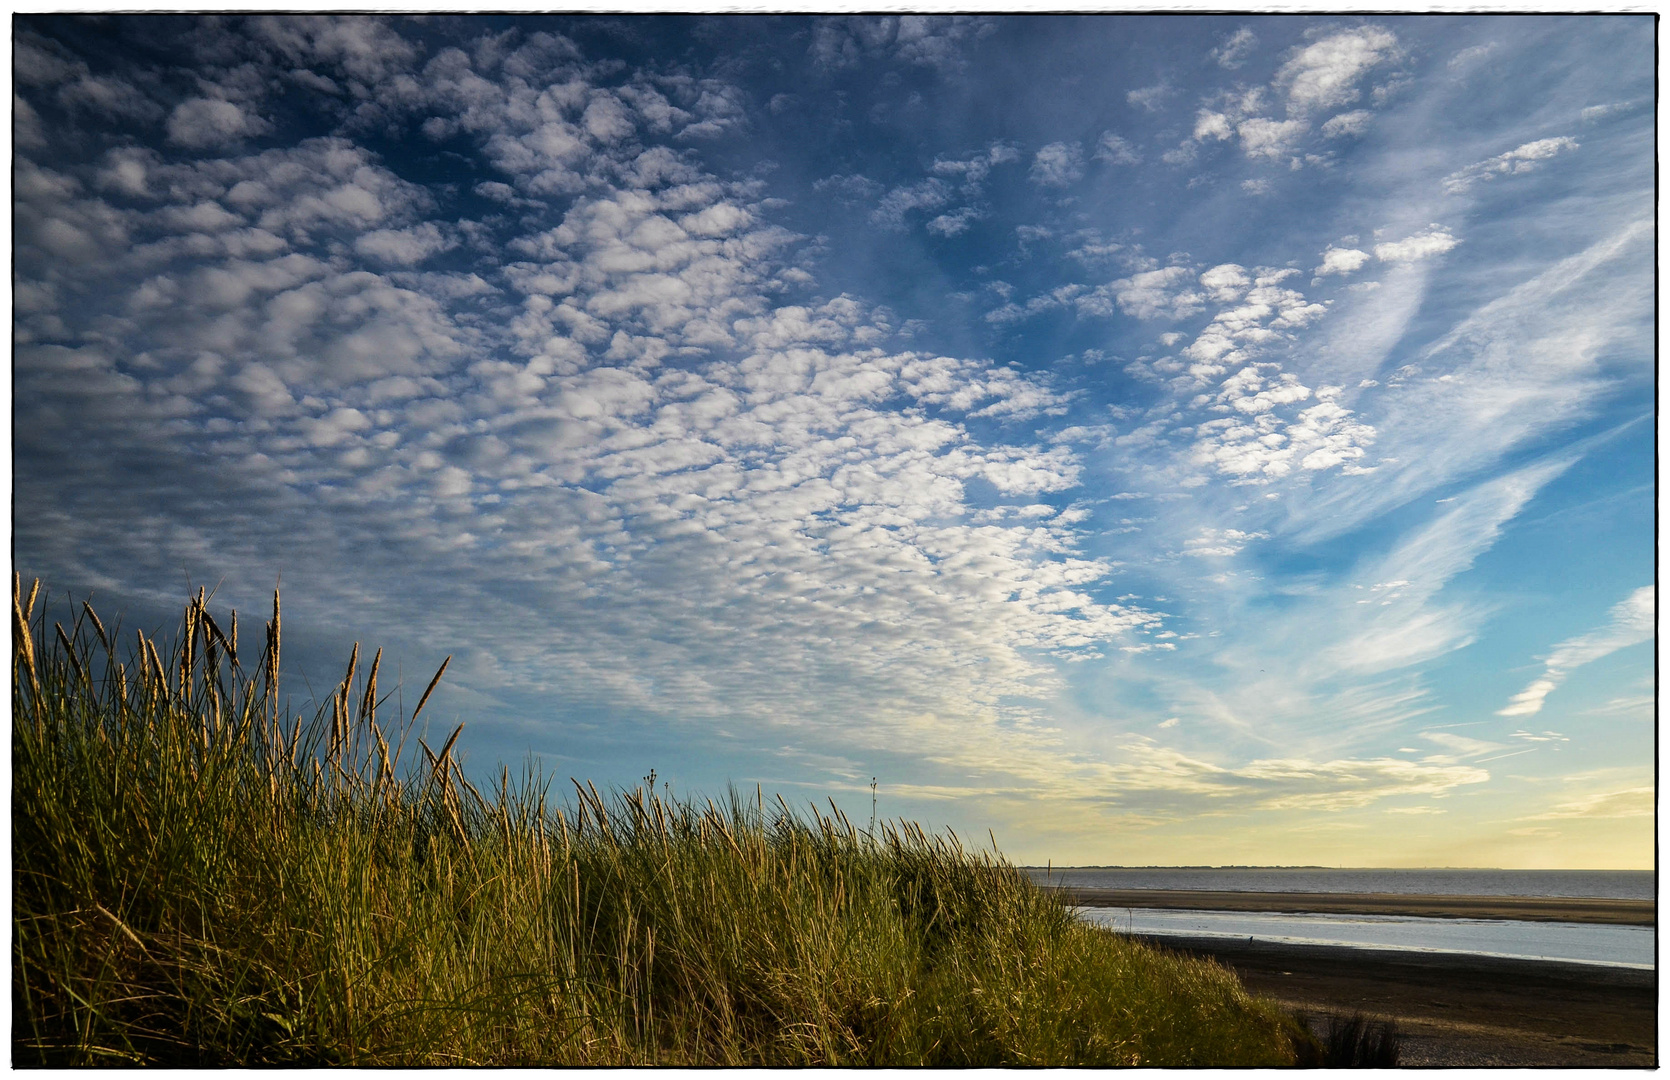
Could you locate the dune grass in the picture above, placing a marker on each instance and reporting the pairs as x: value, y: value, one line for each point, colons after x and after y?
x: 1356, y: 1039
x: 202, y: 879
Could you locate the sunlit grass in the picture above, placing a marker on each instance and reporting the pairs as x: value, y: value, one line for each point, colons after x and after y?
x: 201, y: 879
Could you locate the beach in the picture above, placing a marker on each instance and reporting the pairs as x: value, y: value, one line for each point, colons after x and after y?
x: 1454, y: 1009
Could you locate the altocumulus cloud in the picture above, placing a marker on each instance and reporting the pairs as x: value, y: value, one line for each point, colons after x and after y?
x: 764, y: 507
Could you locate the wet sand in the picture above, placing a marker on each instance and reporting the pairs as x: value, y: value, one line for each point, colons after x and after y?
x: 1526, y: 908
x: 1459, y: 1010
x: 1453, y: 1009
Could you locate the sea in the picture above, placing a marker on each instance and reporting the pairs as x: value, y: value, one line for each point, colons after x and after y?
x: 1578, y: 943
x: 1617, y: 884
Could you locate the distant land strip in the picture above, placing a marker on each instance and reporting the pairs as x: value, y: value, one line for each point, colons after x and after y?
x: 1579, y: 909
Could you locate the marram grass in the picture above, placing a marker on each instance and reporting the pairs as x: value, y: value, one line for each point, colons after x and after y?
x: 202, y: 879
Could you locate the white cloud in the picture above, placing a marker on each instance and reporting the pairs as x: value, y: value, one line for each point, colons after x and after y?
x: 1406, y: 627
x: 1263, y: 311
x: 1058, y: 165
x: 59, y: 226
x: 974, y: 170
x: 1212, y: 125
x: 1220, y: 543
x: 1515, y: 370
x: 208, y: 122
x: 1271, y: 438
x: 27, y: 132
x: 1632, y: 621
x: 719, y: 108
x: 38, y: 61
x: 624, y: 413
x: 1180, y: 155
x: 1521, y: 159
x: 1116, y: 151
x: 1322, y: 75
x: 1341, y: 261
x: 206, y: 216
x: 1264, y: 137
x: 1348, y: 123
x: 1325, y: 74
x: 1596, y: 113
x: 1434, y: 554
x: 1055, y: 298
x: 1152, y: 294
x: 941, y: 42
x: 1150, y: 98
x: 1233, y: 50
x: 1094, y: 252
x: 930, y: 194
x: 717, y: 220
x: 1226, y: 283
x: 1345, y: 783
x: 364, y: 48
x: 113, y: 97
x: 266, y: 392
x: 1235, y: 413
x: 1471, y: 53
x: 1435, y: 241
x: 403, y: 247
x: 1463, y: 746
x: 319, y: 186
x: 492, y: 189
x: 127, y: 169
x: 954, y: 224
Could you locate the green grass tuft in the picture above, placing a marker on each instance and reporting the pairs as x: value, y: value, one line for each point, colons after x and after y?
x: 200, y: 879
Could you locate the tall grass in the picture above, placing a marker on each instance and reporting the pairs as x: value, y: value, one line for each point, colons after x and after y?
x: 202, y: 879
x: 1353, y: 1040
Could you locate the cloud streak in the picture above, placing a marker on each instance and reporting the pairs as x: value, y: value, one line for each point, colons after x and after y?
x: 1633, y: 620
x: 1521, y: 159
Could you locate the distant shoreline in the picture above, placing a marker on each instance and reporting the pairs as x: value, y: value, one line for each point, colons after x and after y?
x: 1603, y: 910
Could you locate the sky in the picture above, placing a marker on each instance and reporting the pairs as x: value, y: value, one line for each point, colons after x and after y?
x: 1128, y: 440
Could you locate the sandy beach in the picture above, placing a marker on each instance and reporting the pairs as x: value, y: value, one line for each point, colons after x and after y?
x: 1526, y: 908
x: 1453, y: 1009
x: 1460, y: 1010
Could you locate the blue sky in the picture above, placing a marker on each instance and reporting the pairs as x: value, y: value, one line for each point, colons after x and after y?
x: 1155, y: 440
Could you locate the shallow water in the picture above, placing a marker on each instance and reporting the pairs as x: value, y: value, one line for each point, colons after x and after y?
x: 1618, y: 884
x: 1582, y: 943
